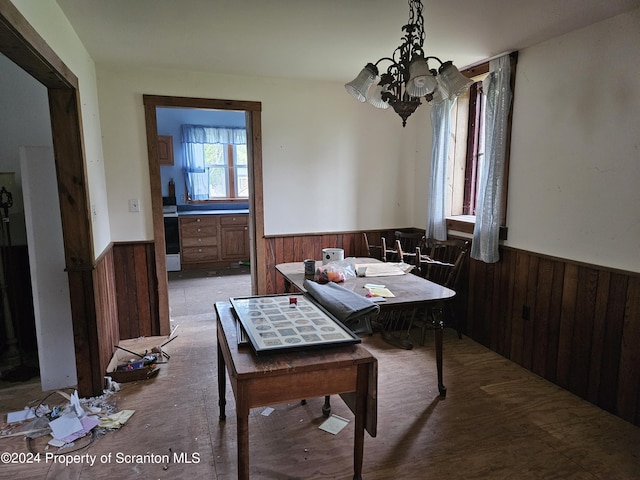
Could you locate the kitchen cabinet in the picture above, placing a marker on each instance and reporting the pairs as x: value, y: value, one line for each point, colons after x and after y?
x: 213, y: 241
x: 234, y: 237
x: 165, y: 150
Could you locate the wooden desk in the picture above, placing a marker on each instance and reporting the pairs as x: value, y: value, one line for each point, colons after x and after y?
x: 410, y: 291
x: 281, y: 377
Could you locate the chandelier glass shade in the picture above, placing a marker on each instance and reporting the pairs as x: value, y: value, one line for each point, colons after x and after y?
x: 409, y: 76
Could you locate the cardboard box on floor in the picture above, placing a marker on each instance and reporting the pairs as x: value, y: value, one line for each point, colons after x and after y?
x: 141, y: 346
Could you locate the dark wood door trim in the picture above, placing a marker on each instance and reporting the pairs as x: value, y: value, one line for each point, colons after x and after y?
x: 23, y: 45
x: 256, y: 212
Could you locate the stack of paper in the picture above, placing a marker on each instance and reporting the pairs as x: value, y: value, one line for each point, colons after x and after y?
x: 378, y: 290
x: 383, y: 269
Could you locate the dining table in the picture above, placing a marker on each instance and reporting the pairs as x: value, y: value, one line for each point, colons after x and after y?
x: 411, y: 294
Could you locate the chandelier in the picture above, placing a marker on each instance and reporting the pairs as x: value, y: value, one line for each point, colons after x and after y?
x: 409, y: 76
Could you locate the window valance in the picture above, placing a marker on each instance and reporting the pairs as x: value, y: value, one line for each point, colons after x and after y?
x: 205, y: 134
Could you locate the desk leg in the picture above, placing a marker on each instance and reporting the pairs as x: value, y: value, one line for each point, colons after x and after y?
x: 222, y: 387
x: 242, y: 418
x: 360, y: 414
x: 439, y: 327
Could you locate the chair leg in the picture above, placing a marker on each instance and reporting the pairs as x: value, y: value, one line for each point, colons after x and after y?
x: 411, y: 319
x: 326, y: 408
x: 454, y: 321
x: 425, y: 322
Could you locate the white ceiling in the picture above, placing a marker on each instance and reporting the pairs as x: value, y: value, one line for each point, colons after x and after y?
x: 324, y: 39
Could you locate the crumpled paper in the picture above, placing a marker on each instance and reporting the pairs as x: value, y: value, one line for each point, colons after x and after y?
x: 116, y: 420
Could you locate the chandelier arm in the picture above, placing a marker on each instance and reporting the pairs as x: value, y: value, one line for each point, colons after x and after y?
x: 386, y: 58
x: 434, y: 58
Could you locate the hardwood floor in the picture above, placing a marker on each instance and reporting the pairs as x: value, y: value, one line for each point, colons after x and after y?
x: 498, y: 421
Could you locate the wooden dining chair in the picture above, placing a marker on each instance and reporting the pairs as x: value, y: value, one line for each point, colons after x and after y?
x: 442, y: 263
x: 381, y: 251
x: 408, y: 247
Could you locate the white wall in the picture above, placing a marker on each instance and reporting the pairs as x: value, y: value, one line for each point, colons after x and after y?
x: 329, y: 162
x: 575, y: 158
x: 49, y: 283
x: 49, y: 21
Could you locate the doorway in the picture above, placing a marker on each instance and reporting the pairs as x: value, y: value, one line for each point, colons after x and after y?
x: 21, y: 44
x: 252, y: 111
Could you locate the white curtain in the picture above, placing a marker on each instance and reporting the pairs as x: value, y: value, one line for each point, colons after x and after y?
x: 441, y: 122
x: 497, y: 89
x: 194, y: 137
x: 205, y: 134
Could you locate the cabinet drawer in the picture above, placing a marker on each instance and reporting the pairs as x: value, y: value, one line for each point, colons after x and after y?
x: 199, y: 230
x: 234, y: 219
x: 199, y: 220
x: 199, y: 254
x: 210, y: 241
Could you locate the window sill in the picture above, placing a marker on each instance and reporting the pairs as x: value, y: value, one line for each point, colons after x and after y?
x: 212, y: 201
x: 466, y: 224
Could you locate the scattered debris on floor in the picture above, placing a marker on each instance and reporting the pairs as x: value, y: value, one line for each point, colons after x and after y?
x: 64, y: 421
x: 139, y: 358
x: 334, y: 424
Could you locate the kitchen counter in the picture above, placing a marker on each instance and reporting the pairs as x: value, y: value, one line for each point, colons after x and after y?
x: 213, y: 237
x: 186, y: 213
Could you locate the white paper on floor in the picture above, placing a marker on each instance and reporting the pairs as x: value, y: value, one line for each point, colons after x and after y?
x: 334, y: 424
x: 65, y: 425
x: 21, y: 415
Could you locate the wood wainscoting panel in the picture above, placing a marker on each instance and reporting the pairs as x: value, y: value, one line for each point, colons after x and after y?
x: 296, y: 248
x: 108, y: 331
x: 86, y: 324
x: 575, y: 324
x: 607, y: 391
x: 134, y: 268
x: 629, y: 373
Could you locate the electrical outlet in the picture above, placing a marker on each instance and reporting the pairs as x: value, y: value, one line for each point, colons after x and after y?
x: 182, y: 199
x: 526, y: 312
x: 134, y: 206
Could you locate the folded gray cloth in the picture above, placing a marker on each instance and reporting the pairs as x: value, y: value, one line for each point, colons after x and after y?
x: 342, y: 303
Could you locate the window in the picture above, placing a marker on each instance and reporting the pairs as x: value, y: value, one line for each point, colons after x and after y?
x: 466, y: 152
x: 226, y: 171
x: 215, y: 163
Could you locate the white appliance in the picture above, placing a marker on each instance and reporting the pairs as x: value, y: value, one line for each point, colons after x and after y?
x: 332, y: 255
x: 172, y: 237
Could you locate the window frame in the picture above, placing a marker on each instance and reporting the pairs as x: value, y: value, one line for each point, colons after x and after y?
x: 230, y: 164
x: 465, y: 222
